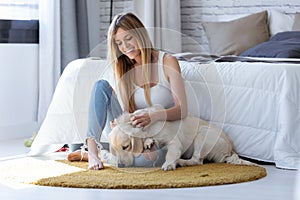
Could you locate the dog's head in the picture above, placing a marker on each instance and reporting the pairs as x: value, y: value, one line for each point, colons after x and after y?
x: 126, y: 141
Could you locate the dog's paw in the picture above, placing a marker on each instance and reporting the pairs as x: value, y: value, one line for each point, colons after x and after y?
x: 149, y: 142
x: 167, y: 167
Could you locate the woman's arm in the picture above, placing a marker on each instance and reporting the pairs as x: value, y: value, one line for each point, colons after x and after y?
x: 174, y: 76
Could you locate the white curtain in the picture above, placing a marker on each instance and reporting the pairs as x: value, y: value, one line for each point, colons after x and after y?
x: 68, y: 31
x: 49, y: 53
x: 163, y: 21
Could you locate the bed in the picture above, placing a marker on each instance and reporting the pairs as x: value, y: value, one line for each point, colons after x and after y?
x: 256, y: 101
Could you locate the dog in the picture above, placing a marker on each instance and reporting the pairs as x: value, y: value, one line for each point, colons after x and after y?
x: 189, y: 141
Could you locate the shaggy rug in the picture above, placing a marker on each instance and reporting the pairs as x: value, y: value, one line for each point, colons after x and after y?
x: 63, y: 173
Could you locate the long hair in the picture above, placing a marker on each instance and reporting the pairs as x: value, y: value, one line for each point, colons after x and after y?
x: 122, y: 64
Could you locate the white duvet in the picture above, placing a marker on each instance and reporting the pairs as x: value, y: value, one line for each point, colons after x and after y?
x: 256, y: 104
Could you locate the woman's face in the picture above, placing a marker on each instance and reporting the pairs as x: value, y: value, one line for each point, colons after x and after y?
x: 127, y: 44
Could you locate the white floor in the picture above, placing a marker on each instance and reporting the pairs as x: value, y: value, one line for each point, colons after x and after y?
x: 278, y: 185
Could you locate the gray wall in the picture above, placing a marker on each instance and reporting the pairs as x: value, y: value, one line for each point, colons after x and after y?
x: 118, y: 7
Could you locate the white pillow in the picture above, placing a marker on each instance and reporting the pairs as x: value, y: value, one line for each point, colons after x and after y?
x: 279, y: 22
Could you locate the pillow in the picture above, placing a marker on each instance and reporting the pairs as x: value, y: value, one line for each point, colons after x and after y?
x: 296, y: 25
x: 279, y: 22
x: 234, y: 37
x: 287, y: 36
x: 281, y: 45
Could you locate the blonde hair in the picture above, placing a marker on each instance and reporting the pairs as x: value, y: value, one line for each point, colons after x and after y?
x: 122, y: 64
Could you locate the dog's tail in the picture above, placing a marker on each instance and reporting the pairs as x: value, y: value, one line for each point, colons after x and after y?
x: 236, y: 160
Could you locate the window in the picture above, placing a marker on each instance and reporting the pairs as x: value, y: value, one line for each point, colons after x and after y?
x: 19, y: 21
x: 19, y: 9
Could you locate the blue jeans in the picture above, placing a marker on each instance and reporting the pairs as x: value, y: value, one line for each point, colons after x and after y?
x: 103, y: 108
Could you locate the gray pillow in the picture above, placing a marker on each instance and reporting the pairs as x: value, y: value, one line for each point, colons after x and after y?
x: 236, y: 36
x: 296, y: 25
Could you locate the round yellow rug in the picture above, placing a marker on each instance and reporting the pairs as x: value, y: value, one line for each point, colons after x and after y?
x: 151, y: 178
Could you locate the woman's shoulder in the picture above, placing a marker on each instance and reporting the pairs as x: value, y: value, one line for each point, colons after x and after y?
x: 169, y: 57
x: 170, y: 61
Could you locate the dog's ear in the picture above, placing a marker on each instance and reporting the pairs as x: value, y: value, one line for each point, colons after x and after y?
x: 137, y: 145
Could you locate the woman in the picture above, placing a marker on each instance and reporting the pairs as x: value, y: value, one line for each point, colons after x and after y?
x: 144, y: 77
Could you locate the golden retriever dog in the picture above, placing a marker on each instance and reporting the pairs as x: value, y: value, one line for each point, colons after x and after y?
x: 189, y: 141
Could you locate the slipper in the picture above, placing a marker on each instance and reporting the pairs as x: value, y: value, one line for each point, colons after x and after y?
x: 63, y: 149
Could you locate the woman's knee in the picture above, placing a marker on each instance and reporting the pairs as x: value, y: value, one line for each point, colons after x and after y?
x: 102, y: 86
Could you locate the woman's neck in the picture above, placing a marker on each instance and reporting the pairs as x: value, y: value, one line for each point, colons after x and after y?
x: 138, y: 60
x: 154, y: 56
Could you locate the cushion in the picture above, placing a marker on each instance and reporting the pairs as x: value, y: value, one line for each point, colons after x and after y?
x: 282, y: 45
x: 279, y: 22
x: 296, y: 25
x: 234, y: 37
x: 287, y: 36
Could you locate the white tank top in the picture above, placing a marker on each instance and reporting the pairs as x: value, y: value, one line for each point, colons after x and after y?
x: 160, y: 94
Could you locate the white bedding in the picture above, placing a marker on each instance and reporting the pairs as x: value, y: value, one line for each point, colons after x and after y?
x: 256, y: 104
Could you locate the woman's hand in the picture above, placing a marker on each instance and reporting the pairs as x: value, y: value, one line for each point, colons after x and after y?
x: 142, y: 120
x: 145, y: 119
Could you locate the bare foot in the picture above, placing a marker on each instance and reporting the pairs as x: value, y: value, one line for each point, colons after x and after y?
x: 78, y: 155
x: 95, y: 163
